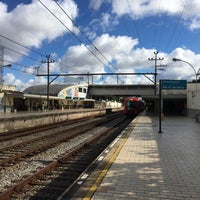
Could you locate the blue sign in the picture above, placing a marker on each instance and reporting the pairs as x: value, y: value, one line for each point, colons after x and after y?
x: 174, y: 84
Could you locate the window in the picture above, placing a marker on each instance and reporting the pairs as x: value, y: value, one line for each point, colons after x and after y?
x: 131, y: 105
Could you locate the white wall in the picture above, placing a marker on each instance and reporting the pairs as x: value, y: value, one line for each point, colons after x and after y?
x: 193, y: 98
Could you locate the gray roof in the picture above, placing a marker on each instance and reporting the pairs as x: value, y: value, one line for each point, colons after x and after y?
x: 54, y: 89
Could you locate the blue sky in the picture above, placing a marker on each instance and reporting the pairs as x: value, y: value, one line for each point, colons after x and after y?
x: 112, y: 36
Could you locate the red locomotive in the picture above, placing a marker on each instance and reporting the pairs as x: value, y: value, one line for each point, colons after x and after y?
x: 133, y: 106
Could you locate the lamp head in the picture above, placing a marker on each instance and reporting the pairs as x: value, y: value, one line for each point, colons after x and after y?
x: 175, y: 59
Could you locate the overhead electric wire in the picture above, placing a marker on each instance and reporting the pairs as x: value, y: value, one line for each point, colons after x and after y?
x: 17, y: 52
x: 18, y: 64
x: 181, y: 32
x: 136, y: 29
x: 156, y: 26
x: 82, y: 32
x: 92, y: 44
x: 21, y: 45
x: 73, y: 34
x: 23, y: 71
x: 176, y: 27
x: 23, y: 54
x: 126, y: 27
x: 34, y: 51
x: 164, y: 18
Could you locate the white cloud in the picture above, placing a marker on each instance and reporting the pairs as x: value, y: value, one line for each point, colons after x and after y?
x: 95, y: 4
x: 182, y: 70
x: 81, y: 59
x: 195, y: 24
x: 188, y: 11
x: 106, y: 20
x: 125, y: 57
x: 110, y: 46
x: 105, y: 23
x: 122, y: 52
x: 10, y: 79
x: 31, y: 24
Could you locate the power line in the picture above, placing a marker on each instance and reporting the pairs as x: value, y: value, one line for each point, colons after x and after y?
x: 96, y: 49
x: 73, y: 33
x: 34, y: 51
x: 21, y: 45
x: 176, y: 26
x: 20, y: 70
x: 156, y: 26
x: 136, y: 29
x: 127, y: 29
x: 23, y: 54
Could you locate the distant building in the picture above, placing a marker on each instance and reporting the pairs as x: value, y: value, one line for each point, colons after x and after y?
x: 7, y: 94
x: 34, y: 98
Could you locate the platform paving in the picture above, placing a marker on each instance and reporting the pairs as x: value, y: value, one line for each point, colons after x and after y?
x: 155, y: 166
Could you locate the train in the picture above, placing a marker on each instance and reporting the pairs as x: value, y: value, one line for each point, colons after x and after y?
x: 133, y: 106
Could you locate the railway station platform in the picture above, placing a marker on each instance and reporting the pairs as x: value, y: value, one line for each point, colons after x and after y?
x: 19, y: 120
x: 148, y: 165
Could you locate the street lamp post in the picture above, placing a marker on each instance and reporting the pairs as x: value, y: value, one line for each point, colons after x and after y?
x: 196, y: 73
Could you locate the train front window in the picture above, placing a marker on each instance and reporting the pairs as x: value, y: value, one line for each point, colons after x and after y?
x: 131, y: 105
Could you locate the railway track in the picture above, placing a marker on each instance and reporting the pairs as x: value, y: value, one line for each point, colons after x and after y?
x: 11, y: 153
x: 52, y: 134
x: 80, y: 146
x: 27, y: 131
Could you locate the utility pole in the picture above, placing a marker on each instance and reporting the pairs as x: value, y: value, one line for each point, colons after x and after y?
x: 155, y: 59
x: 88, y: 77
x: 37, y: 70
x: 1, y: 64
x: 48, y: 61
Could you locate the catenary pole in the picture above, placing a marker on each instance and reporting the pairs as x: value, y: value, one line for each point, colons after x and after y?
x: 155, y: 73
x: 48, y: 61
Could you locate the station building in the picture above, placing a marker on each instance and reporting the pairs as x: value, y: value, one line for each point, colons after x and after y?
x: 34, y: 98
x: 8, y: 94
x: 62, y: 96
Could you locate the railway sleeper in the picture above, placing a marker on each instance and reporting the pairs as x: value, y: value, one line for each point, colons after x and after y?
x: 70, y: 168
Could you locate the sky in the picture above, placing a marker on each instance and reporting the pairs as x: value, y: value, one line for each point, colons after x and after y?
x: 98, y: 36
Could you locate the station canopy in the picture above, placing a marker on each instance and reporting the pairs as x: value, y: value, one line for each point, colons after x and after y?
x: 62, y: 91
x: 54, y: 89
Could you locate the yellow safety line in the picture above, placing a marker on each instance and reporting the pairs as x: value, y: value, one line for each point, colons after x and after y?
x: 94, y: 187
